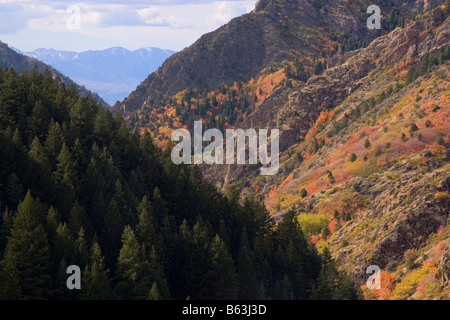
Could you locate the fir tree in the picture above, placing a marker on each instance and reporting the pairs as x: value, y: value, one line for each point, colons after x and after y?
x: 64, y: 245
x: 145, y: 230
x: 95, y: 283
x: 412, y: 75
x: 5, y: 229
x: 65, y: 177
x: 111, y: 233
x: 222, y: 280
x: 14, y: 191
x: 27, y: 252
x: 54, y: 140
x: 154, y: 293
x: 246, y: 275
x: 129, y: 265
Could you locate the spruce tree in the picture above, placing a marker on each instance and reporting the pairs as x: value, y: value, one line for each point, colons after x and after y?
x: 412, y: 75
x: 111, y: 233
x: 159, y: 206
x: 246, y: 275
x: 154, y: 293
x: 145, y: 229
x: 222, y: 280
x: 10, y: 283
x: 54, y: 140
x: 14, y: 191
x: 5, y: 229
x: 66, y: 180
x: 327, y: 277
x: 27, y: 252
x: 82, y: 251
x: 64, y: 245
x: 129, y: 266
x: 41, y: 180
x: 95, y: 284
x: 155, y: 272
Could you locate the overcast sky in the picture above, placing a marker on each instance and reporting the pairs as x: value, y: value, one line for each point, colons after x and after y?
x: 101, y: 24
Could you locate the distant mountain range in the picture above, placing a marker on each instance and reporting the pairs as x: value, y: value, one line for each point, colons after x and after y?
x: 113, y: 73
x: 13, y: 58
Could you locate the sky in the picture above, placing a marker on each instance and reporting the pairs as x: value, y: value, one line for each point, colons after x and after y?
x: 101, y: 24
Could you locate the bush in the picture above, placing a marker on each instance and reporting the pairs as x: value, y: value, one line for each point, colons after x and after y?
x: 410, y: 257
x: 347, y: 217
x: 331, y: 177
x: 356, y: 187
x: 303, y: 193
x: 413, y: 128
x: 403, y: 137
x: 353, y: 157
x: 378, y: 152
x: 428, y: 123
x: 312, y: 224
x: 428, y: 154
x: 440, y: 140
x: 344, y: 243
x: 442, y: 197
x: 367, y: 144
x: 337, y: 215
x: 412, y: 75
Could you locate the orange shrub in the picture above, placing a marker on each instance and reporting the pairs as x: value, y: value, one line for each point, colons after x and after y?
x: 387, y: 285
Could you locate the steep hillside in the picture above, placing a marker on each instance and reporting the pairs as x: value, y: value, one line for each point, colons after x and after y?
x: 276, y: 30
x: 369, y: 177
x: 245, y: 46
x: 79, y: 189
x: 295, y: 111
x: 364, y: 132
x: 365, y: 149
x: 10, y: 58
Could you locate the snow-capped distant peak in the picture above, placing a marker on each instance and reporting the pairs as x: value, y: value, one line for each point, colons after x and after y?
x: 113, y: 72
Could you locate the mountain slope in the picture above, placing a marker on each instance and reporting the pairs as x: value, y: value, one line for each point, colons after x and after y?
x: 373, y: 159
x: 365, y: 147
x: 79, y: 189
x: 113, y: 73
x: 275, y: 31
x: 20, y: 62
x: 242, y: 49
x: 294, y: 111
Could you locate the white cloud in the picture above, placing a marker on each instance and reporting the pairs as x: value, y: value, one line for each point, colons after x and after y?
x: 172, y: 24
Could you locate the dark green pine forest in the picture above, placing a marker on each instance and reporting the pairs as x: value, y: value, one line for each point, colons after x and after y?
x: 77, y: 187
